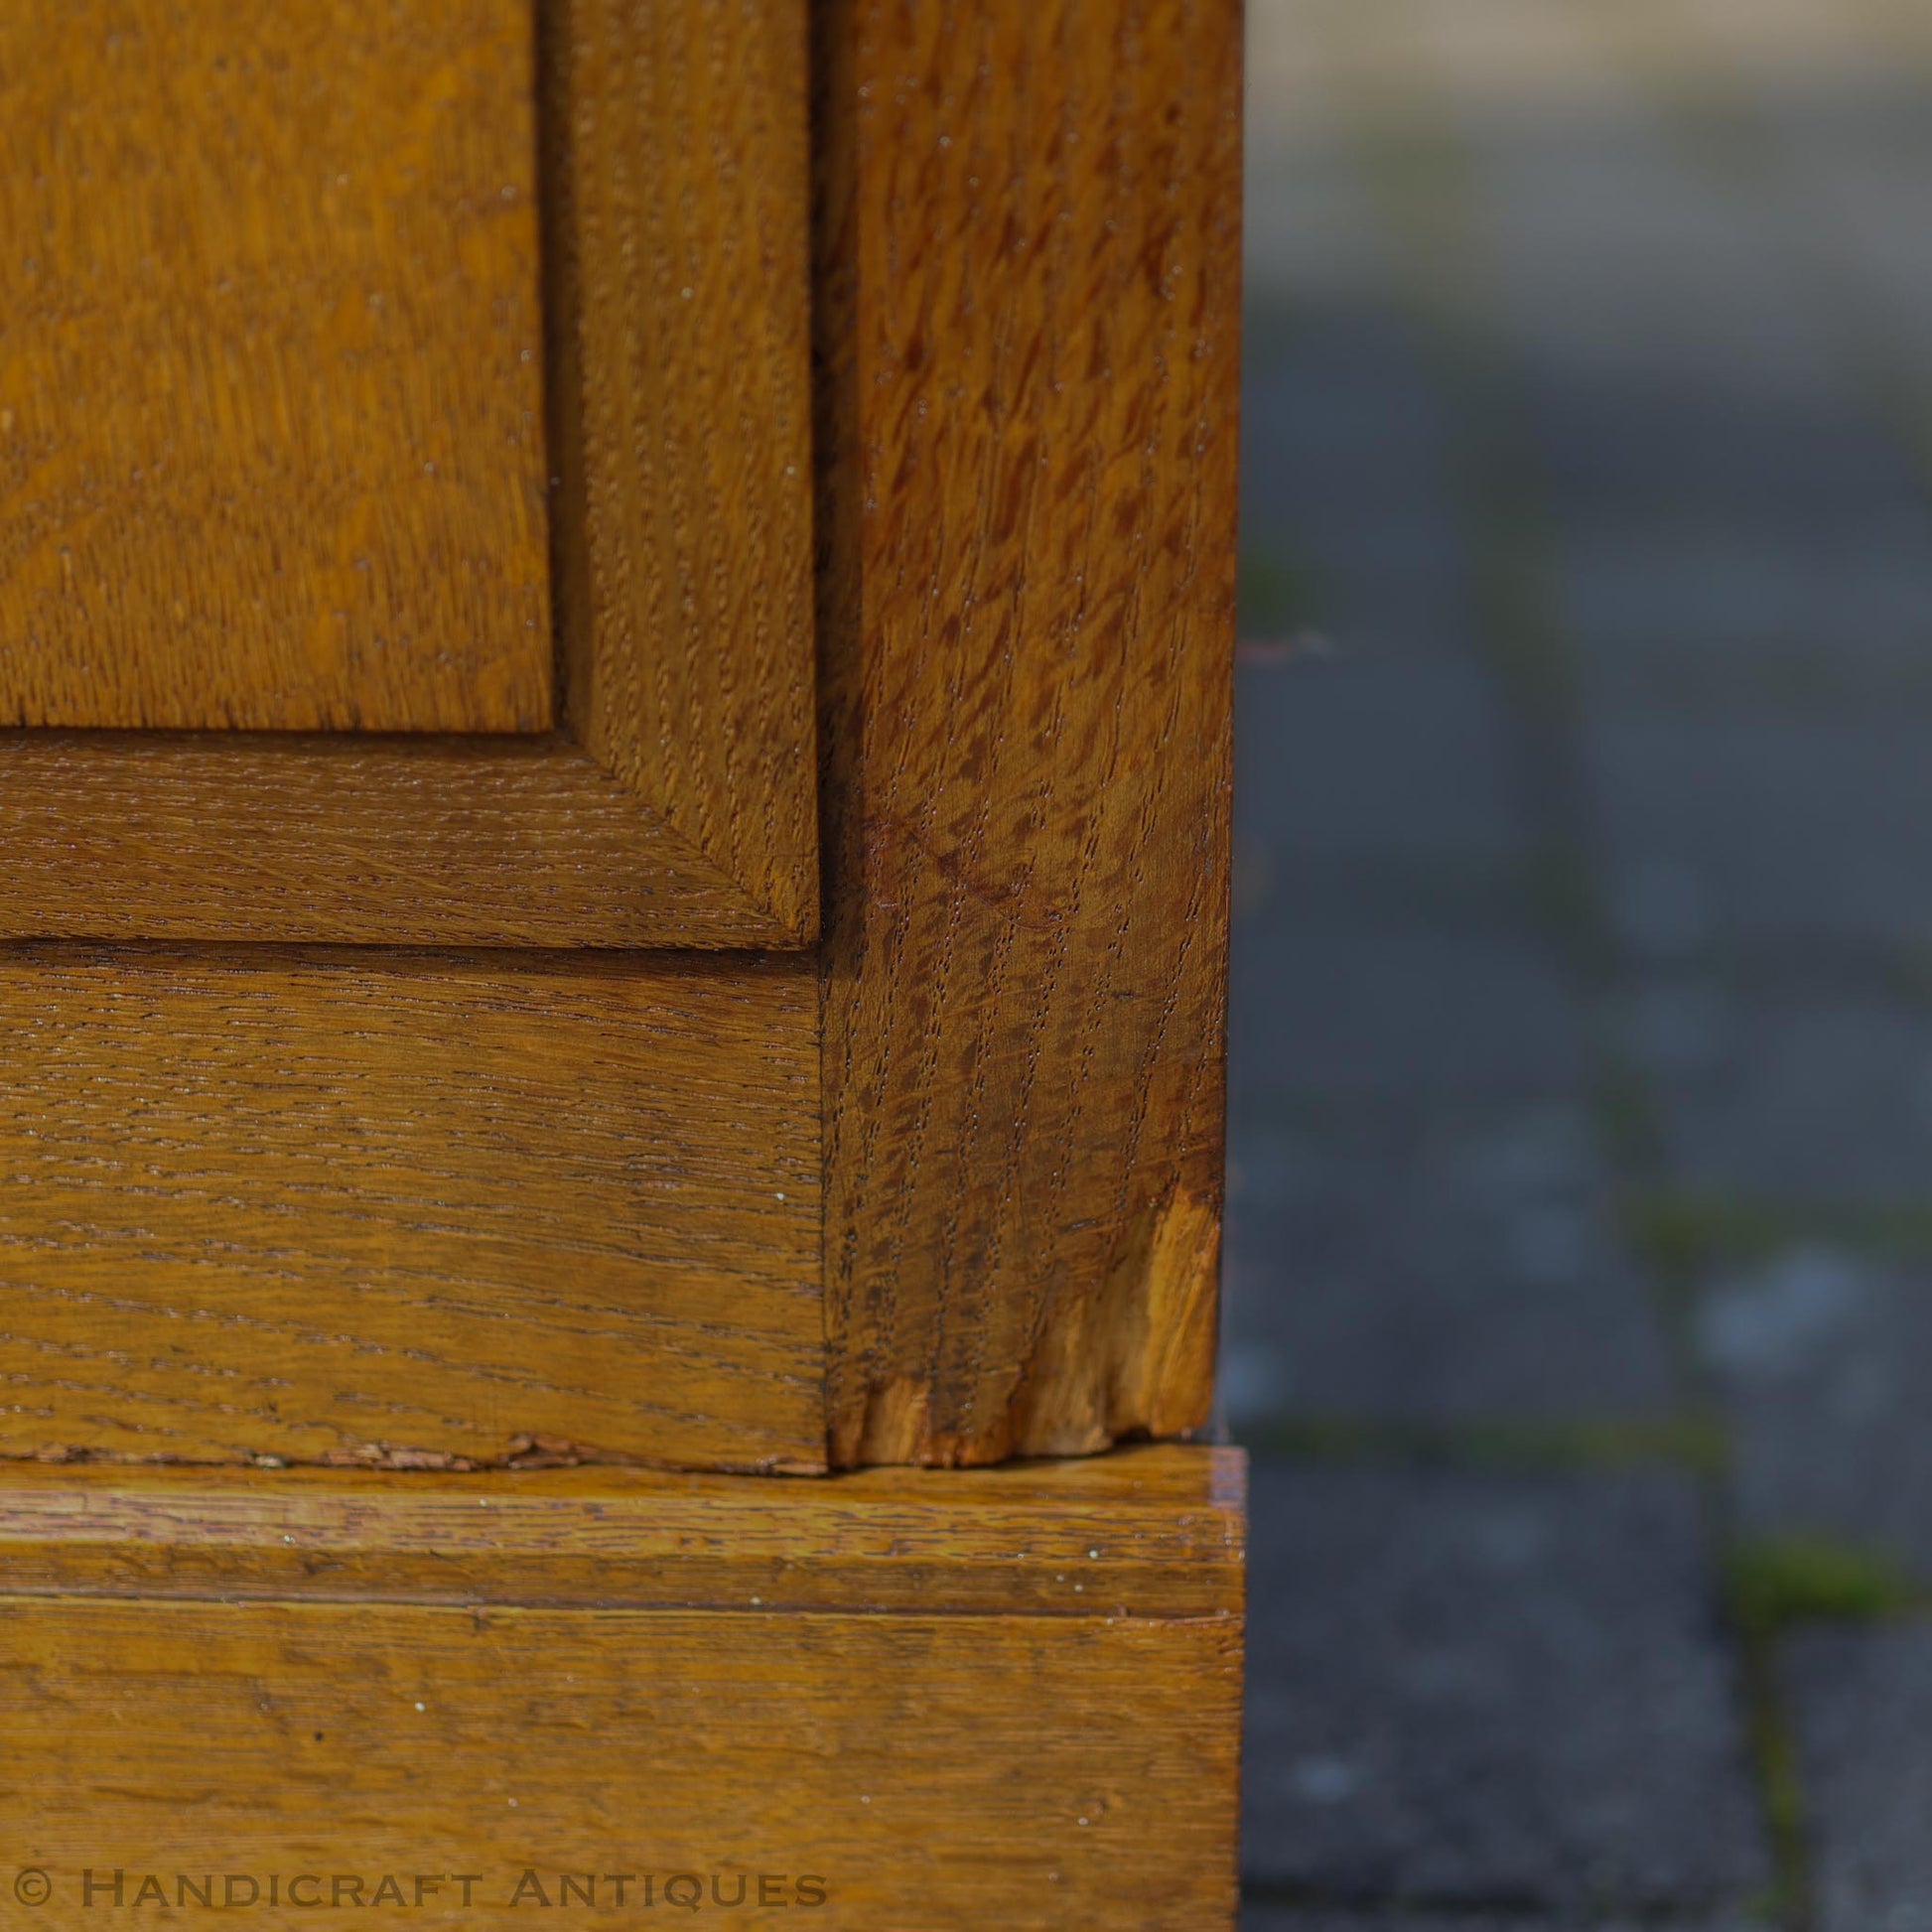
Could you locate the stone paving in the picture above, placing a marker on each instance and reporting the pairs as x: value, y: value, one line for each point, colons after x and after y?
x: 1579, y: 1262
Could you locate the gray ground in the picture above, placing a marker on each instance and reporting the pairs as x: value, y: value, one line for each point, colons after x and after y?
x: 1579, y: 1272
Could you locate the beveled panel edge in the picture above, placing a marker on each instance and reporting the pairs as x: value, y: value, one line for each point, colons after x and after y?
x: 325, y: 838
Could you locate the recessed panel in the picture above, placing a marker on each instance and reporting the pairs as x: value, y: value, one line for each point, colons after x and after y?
x: 415, y: 1211
x: 271, y: 437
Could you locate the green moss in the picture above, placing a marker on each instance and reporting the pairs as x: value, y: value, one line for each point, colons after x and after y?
x: 1683, y: 1235
x: 1626, y: 1115
x: 1776, y: 1583
x: 1680, y: 1234
x: 1273, y: 593
x: 1522, y: 641
x: 1774, y: 1752
x: 1771, y: 1585
x: 1322, y: 1438
x: 1909, y: 974
x: 1563, y: 898
x: 1904, y: 1231
x: 1686, y: 1440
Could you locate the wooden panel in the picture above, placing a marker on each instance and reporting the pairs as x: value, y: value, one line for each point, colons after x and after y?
x: 681, y: 284
x: 932, y: 1762
x: 389, y: 1206
x: 271, y: 449
x: 675, y: 804
x: 1027, y: 307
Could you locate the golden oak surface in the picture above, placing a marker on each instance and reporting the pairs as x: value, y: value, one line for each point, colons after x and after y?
x: 933, y: 1699
x: 379, y: 1207
x: 1029, y: 272
x: 1023, y: 463
x: 271, y: 438
x: 289, y: 429
x: 401, y: 1249
x: 679, y: 173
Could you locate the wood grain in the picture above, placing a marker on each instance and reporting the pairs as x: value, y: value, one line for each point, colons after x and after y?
x: 934, y: 1763
x: 1150, y: 1531
x: 680, y: 288
x: 1027, y: 300
x: 430, y: 840
x: 271, y: 449
x: 675, y: 803
x: 378, y: 1206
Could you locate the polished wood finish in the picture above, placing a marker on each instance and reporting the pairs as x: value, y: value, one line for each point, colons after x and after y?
x: 681, y: 297
x: 271, y: 448
x: 1152, y: 1531
x: 1028, y: 263
x: 349, y: 1278
x: 372, y: 1206
x: 673, y: 804
x: 1026, y: 305
x: 926, y: 1716
x: 507, y: 841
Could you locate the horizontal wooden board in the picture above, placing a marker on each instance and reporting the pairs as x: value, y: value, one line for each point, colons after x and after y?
x: 350, y: 839
x: 1153, y: 1531
x: 940, y: 1764
x: 932, y: 1771
x: 271, y: 437
x: 380, y: 1205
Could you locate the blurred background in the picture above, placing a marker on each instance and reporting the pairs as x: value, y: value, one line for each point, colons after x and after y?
x: 1580, y: 1278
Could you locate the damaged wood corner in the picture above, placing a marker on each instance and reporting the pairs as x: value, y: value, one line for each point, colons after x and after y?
x: 1138, y: 1357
